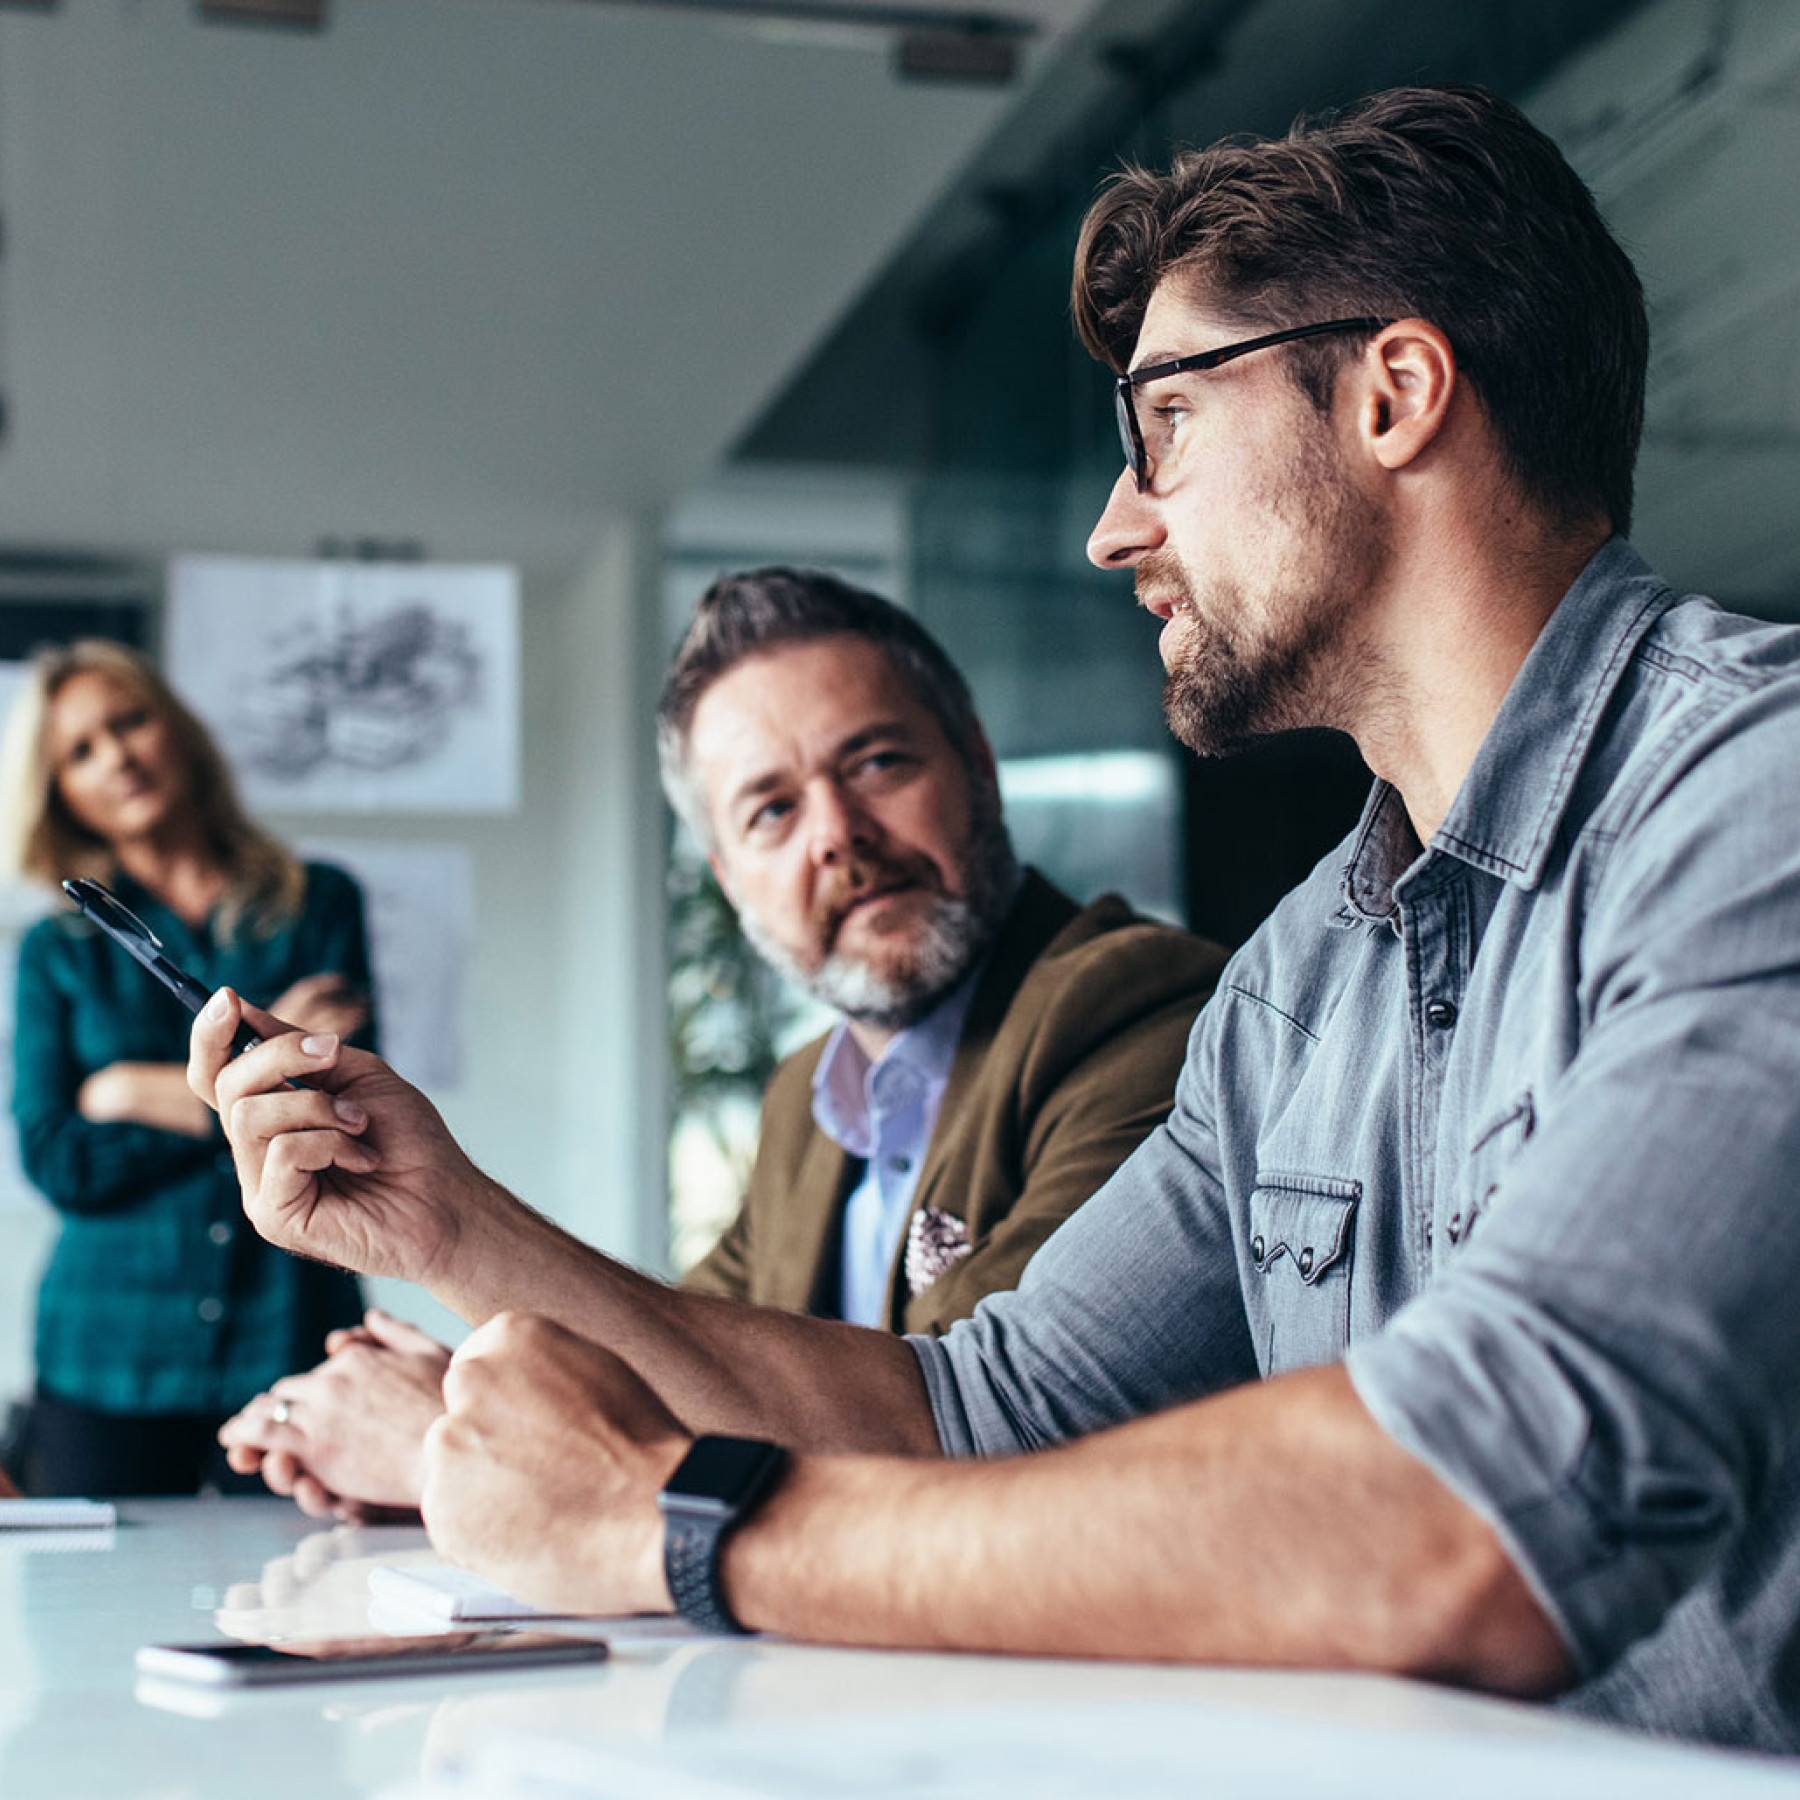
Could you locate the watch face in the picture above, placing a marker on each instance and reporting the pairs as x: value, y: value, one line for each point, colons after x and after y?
x: 724, y: 1469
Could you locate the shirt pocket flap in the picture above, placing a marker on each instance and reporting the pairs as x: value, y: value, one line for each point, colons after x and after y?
x: 1490, y: 1158
x: 1310, y: 1225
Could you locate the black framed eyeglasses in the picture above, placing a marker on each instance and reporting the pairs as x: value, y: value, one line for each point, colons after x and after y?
x: 1138, y: 458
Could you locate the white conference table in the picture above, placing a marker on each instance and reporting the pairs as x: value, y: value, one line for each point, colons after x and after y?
x: 705, y: 1719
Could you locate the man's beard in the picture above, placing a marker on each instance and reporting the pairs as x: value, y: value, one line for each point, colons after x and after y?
x: 1236, y: 676
x: 944, y: 944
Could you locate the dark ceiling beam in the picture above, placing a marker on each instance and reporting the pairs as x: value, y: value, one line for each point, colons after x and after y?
x: 841, y: 15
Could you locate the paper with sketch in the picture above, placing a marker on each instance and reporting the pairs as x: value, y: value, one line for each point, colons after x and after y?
x: 353, y: 687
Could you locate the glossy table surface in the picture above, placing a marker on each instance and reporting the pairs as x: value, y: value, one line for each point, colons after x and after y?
x: 701, y: 1719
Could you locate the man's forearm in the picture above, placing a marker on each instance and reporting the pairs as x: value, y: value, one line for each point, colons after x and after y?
x: 1276, y: 1524
x: 719, y: 1365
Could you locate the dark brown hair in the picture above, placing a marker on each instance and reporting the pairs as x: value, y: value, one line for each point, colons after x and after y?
x: 1439, y: 203
x: 762, y: 610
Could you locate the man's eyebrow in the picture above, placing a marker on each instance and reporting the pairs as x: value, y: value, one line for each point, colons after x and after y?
x: 750, y: 788
x: 871, y: 733
x: 860, y: 739
x: 1150, y: 358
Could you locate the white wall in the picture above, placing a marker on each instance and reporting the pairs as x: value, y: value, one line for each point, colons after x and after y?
x: 563, y: 1099
x: 609, y: 1183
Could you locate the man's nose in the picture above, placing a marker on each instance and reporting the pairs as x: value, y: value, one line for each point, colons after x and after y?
x: 1128, y: 530
x: 837, y: 827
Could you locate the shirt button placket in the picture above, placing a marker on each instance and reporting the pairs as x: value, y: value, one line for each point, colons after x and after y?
x: 1431, y: 924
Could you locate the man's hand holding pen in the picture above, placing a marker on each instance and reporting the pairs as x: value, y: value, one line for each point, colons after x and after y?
x: 353, y: 1166
x: 542, y: 1470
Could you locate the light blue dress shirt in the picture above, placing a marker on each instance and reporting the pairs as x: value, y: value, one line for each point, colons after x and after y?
x: 885, y: 1113
x: 1511, y: 1123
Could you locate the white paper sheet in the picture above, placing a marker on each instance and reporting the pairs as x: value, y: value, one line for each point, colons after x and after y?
x: 419, y: 908
x: 406, y: 1592
x: 63, y: 1514
x: 444, y: 1592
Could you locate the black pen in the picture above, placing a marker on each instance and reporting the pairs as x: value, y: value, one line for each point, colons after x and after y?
x: 144, y: 947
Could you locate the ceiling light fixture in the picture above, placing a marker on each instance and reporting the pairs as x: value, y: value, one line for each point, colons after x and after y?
x: 290, y: 15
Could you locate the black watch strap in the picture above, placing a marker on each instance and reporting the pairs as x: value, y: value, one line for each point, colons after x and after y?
x: 691, y: 1565
x: 719, y: 1484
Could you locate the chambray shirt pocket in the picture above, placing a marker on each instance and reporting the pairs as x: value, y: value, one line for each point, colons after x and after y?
x: 1500, y: 1137
x: 1302, y: 1245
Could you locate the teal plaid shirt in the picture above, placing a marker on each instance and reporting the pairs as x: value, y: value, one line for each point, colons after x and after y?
x: 158, y: 1297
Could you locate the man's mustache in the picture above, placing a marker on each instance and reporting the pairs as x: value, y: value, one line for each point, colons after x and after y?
x: 849, y: 882
x: 1160, y: 572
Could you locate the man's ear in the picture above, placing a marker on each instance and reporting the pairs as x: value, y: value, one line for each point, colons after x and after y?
x: 1407, y: 378
x: 719, y: 875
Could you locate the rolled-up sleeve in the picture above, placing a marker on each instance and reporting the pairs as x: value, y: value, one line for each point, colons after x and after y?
x: 1606, y: 1371
x: 1132, y: 1305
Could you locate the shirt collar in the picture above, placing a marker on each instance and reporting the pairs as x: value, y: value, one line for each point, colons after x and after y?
x: 842, y: 1083
x: 1506, y: 812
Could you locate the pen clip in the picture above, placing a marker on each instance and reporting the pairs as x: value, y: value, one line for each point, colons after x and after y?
x: 109, y: 912
x: 112, y: 916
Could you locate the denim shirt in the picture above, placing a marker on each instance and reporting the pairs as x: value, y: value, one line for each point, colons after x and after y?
x: 1512, y: 1124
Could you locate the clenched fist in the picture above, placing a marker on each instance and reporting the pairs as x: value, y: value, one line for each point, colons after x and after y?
x: 542, y: 1474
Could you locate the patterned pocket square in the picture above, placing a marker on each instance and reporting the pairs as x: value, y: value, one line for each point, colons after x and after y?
x: 935, y: 1243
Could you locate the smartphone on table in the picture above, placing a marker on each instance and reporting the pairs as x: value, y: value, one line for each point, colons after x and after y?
x: 351, y: 1658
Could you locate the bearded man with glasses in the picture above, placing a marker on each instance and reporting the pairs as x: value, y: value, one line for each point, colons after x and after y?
x: 1445, y: 1327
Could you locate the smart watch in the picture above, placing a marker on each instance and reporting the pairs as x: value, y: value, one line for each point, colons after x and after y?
x: 720, y: 1482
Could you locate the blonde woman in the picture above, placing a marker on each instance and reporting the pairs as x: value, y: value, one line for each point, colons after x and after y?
x: 160, y: 1312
